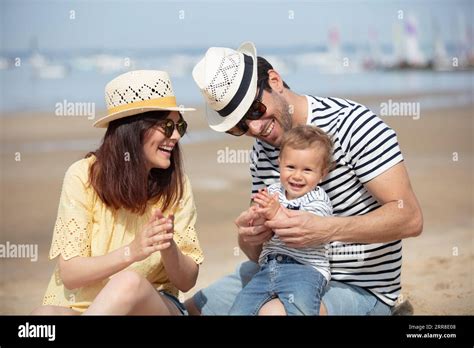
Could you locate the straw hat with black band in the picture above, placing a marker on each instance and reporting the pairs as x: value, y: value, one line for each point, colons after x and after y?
x: 227, y: 80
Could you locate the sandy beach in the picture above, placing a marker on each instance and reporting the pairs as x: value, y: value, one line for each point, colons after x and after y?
x: 437, y: 276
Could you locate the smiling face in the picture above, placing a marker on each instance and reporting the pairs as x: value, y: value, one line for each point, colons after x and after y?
x: 301, y: 170
x: 158, y: 148
x: 274, y: 123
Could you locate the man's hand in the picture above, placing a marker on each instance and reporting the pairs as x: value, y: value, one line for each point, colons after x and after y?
x: 252, y: 233
x: 251, y: 227
x: 302, y: 229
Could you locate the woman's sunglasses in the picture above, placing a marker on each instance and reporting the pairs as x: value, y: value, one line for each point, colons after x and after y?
x: 255, y: 112
x: 168, y: 126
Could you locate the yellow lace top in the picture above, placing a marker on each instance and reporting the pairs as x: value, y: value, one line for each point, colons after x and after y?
x: 86, y: 227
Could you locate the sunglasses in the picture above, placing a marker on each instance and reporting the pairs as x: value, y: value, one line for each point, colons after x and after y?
x: 255, y: 112
x: 168, y: 126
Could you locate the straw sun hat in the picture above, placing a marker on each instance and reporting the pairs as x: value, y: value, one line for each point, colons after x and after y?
x: 136, y: 92
x: 227, y: 79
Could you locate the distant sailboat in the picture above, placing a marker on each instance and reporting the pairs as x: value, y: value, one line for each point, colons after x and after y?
x: 407, y: 52
x: 414, y: 57
x: 374, y: 58
x: 331, y: 61
x: 441, y: 61
x: 334, y: 43
x: 465, y: 49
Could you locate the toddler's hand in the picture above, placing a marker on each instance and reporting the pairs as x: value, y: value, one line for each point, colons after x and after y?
x: 268, y: 204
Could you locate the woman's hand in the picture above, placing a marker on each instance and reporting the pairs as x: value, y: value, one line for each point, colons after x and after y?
x: 155, y: 236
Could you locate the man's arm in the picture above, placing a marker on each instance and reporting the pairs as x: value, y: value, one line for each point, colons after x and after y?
x: 252, y: 233
x: 250, y: 250
x: 399, y: 217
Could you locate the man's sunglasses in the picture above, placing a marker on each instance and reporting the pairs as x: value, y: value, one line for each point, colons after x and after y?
x: 255, y: 112
x: 168, y: 126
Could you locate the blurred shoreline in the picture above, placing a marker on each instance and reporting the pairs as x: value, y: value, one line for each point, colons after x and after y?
x: 438, y: 151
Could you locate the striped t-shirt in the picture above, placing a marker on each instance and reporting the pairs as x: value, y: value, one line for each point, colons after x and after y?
x: 364, y: 147
x: 316, y: 202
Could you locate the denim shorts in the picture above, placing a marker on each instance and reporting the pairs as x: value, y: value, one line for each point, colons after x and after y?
x: 299, y: 287
x: 175, y: 301
x: 339, y: 298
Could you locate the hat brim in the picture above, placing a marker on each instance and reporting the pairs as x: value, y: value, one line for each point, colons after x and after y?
x: 248, y: 48
x: 223, y: 124
x: 104, y: 121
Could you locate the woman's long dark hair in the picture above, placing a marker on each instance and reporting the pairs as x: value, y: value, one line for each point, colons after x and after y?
x: 120, y: 176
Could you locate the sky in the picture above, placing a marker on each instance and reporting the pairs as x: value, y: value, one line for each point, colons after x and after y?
x: 141, y: 25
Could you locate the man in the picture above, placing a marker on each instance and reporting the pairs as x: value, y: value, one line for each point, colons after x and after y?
x: 374, y: 204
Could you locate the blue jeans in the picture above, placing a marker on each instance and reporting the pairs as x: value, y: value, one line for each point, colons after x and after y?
x: 299, y: 287
x: 175, y: 301
x: 339, y: 298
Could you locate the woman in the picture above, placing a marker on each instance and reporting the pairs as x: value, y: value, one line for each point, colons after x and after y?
x: 125, y: 228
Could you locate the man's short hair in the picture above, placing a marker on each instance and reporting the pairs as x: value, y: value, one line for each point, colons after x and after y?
x: 262, y: 73
x: 306, y: 136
